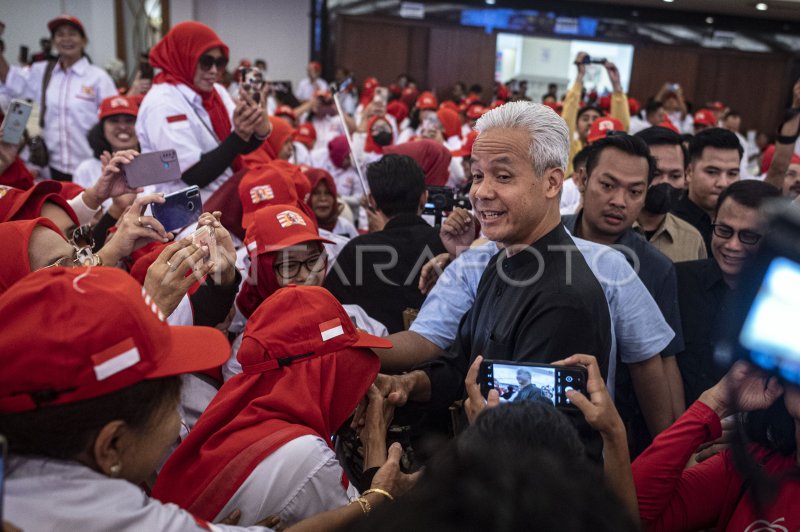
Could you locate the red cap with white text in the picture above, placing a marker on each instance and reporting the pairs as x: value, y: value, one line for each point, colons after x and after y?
x: 72, y: 334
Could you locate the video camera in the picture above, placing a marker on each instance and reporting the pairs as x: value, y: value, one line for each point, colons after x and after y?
x: 442, y: 200
x: 764, y: 310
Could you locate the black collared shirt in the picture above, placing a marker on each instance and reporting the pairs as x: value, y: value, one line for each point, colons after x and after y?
x: 380, y: 271
x: 702, y: 293
x: 528, y: 309
x: 689, y: 211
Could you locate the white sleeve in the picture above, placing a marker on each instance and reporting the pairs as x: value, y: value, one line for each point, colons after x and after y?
x: 25, y: 83
x: 301, y: 479
x: 84, y: 213
x: 156, y: 132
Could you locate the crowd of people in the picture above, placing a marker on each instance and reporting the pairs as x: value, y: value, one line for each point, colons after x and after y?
x: 303, y: 352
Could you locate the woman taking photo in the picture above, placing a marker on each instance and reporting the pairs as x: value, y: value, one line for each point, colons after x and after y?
x: 73, y: 90
x: 189, y: 112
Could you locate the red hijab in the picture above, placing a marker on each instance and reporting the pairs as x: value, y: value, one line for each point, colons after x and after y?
x: 177, y: 55
x: 18, y: 204
x: 433, y: 158
x: 317, y: 176
x: 16, y: 238
x: 369, y: 144
x: 281, y: 132
x: 367, y: 91
x: 258, y: 411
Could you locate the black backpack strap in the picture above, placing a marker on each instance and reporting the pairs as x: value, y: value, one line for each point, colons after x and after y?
x: 48, y: 73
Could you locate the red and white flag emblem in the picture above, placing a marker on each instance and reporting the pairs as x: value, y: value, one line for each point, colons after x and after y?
x: 261, y: 193
x: 290, y: 218
x: 331, y: 329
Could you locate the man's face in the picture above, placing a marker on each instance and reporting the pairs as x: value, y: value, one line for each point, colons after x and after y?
x: 656, y: 117
x: 510, y: 200
x: 585, y: 123
x: 733, y: 123
x: 523, y: 378
x: 731, y: 253
x: 613, y: 195
x: 791, y: 182
x: 708, y: 176
x: 669, y: 165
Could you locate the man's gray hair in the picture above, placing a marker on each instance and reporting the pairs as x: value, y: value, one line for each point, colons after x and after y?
x: 549, y: 133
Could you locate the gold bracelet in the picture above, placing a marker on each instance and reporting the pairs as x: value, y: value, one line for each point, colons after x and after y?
x: 378, y: 490
x: 366, y: 507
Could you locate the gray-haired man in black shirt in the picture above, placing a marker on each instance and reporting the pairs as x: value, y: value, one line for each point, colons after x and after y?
x: 537, y: 301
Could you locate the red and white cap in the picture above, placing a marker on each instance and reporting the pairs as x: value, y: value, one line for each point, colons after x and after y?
x: 277, y: 227
x: 296, y: 324
x: 16, y: 204
x: 705, y: 117
x: 261, y: 187
x: 76, y: 333
x: 306, y: 134
x: 117, y: 105
x: 285, y: 110
x: 427, y: 100
x: 66, y: 19
x: 602, y: 126
x: 476, y: 110
x: 466, y: 148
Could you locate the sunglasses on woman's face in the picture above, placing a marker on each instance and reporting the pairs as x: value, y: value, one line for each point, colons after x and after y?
x: 207, y: 61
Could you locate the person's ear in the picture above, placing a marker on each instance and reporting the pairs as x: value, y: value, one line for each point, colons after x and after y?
x: 555, y: 180
x: 689, y: 172
x: 108, y: 448
x: 581, y: 179
x: 423, y: 199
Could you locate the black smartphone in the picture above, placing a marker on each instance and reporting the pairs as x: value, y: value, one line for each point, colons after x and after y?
x: 145, y: 69
x: 23, y: 54
x: 528, y: 381
x: 180, y: 209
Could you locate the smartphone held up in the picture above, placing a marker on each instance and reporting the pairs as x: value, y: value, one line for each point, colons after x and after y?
x: 526, y: 381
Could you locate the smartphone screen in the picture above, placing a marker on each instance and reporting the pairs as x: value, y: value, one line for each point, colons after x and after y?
x: 532, y: 382
x: 768, y: 331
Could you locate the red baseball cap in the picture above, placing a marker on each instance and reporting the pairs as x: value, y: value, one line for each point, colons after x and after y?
x: 717, y: 106
x: 427, y: 100
x: 466, y: 148
x: 449, y: 104
x: 285, y: 110
x: 398, y: 110
x: 604, y: 103
x: 476, y: 110
x: 705, y: 117
x: 260, y: 187
x: 667, y: 123
x: 602, y: 126
x: 277, y: 227
x: 117, y: 105
x: 66, y: 19
x: 296, y: 324
x: 104, y: 334
x: 16, y: 204
x: 634, y: 106
x: 306, y: 134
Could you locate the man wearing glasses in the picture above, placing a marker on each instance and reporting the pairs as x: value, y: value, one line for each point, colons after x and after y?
x: 703, y: 285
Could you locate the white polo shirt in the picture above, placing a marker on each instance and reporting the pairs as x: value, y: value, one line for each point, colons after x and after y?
x: 173, y: 117
x: 73, y: 99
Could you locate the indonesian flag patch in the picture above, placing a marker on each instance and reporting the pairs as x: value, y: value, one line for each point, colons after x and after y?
x: 261, y: 193
x: 289, y: 218
x: 331, y: 329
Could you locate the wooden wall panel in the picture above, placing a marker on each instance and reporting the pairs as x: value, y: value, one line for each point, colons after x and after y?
x: 756, y: 85
x: 461, y: 54
x: 371, y: 49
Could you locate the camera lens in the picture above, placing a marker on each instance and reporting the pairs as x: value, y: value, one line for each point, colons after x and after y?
x: 190, y: 206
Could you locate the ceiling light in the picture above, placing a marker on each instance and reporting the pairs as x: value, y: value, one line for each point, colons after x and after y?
x: 669, y: 1
x: 709, y: 20
x: 491, y: 2
x: 761, y: 6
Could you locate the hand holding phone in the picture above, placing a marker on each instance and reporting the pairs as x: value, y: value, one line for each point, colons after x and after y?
x: 179, y: 209
x: 205, y: 238
x: 152, y: 168
x: 528, y: 381
x: 16, y: 121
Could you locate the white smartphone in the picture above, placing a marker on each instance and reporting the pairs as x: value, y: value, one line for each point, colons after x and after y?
x: 16, y: 121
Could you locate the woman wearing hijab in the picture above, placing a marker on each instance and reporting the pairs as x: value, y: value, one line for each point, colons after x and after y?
x: 188, y: 111
x: 431, y: 156
x: 264, y: 444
